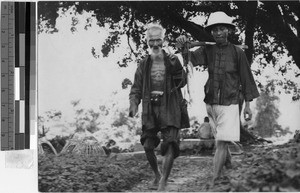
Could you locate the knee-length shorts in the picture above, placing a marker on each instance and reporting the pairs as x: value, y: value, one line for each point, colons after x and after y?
x: 224, y: 121
x: 170, y: 136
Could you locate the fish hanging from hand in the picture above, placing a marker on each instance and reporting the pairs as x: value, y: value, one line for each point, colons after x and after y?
x: 188, y: 66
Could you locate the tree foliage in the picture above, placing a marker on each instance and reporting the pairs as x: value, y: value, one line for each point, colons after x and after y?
x: 269, y: 27
x: 268, y: 113
x: 108, y: 121
x: 85, y: 119
x: 277, y: 19
x: 43, y: 121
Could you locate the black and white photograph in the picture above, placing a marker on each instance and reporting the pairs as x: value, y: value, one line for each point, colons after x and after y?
x: 168, y: 96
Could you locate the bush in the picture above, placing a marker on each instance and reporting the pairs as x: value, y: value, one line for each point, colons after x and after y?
x: 73, y: 173
x: 189, y: 133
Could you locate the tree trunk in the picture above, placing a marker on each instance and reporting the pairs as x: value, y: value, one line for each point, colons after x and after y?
x: 249, y: 13
x: 275, y: 24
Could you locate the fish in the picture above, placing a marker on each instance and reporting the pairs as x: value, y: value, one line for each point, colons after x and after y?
x: 190, y: 72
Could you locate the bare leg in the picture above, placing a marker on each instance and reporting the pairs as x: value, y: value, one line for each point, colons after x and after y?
x: 228, y: 164
x: 166, y: 167
x: 152, y: 159
x: 219, y: 158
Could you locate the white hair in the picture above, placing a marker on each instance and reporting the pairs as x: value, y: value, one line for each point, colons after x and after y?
x: 152, y: 26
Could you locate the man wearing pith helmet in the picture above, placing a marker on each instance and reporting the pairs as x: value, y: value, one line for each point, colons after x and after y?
x: 229, y: 77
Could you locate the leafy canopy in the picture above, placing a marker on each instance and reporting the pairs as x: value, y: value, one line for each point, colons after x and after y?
x: 269, y: 28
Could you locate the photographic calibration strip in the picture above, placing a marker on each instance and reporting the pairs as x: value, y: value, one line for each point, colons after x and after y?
x: 7, y: 76
x: 18, y: 74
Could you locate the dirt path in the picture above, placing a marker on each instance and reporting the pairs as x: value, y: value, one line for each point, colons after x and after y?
x: 189, y: 174
x: 267, y: 168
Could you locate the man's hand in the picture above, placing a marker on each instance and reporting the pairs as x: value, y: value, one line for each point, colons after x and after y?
x: 247, y: 112
x: 181, y: 40
x: 133, y: 109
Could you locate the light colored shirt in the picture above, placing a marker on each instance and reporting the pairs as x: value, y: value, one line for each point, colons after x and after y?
x: 205, y: 131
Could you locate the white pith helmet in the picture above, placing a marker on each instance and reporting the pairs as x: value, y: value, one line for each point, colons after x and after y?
x: 219, y: 17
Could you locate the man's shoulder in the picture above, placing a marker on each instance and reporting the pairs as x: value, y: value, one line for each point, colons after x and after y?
x: 206, y: 49
x: 143, y: 61
x: 237, y: 49
x: 171, y: 56
x: 205, y: 124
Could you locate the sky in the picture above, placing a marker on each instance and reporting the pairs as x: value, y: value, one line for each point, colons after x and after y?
x: 68, y: 71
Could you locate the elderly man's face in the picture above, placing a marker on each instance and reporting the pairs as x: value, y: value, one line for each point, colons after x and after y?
x: 155, y: 40
x: 220, y: 33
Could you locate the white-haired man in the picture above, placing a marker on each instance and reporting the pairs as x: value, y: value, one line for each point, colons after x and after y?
x: 229, y: 76
x: 157, y: 84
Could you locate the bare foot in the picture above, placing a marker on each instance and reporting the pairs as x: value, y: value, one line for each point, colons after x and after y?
x: 162, y: 185
x: 220, y: 180
x: 154, y: 183
x: 214, y: 180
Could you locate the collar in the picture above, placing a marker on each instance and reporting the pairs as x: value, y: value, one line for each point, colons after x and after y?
x: 223, y: 44
x: 164, y: 54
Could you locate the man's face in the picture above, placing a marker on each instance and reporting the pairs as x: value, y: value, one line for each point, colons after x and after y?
x: 155, y: 40
x: 220, y: 33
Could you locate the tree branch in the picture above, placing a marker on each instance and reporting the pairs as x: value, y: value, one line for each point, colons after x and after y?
x: 131, y: 49
x: 274, y: 24
x: 170, y: 17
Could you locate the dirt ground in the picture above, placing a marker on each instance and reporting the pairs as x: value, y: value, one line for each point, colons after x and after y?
x: 261, y: 168
x: 189, y: 174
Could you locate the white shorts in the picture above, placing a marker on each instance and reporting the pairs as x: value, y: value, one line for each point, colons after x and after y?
x: 224, y: 121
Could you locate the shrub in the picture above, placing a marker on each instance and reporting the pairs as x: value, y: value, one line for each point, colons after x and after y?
x: 72, y: 173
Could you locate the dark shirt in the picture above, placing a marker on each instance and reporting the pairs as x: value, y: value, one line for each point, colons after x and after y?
x: 174, y: 79
x: 229, y: 74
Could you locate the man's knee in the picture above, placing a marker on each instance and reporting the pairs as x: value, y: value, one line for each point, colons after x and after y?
x: 148, y: 149
x: 166, y: 147
x: 222, y: 144
x: 149, y: 145
x: 170, y: 148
